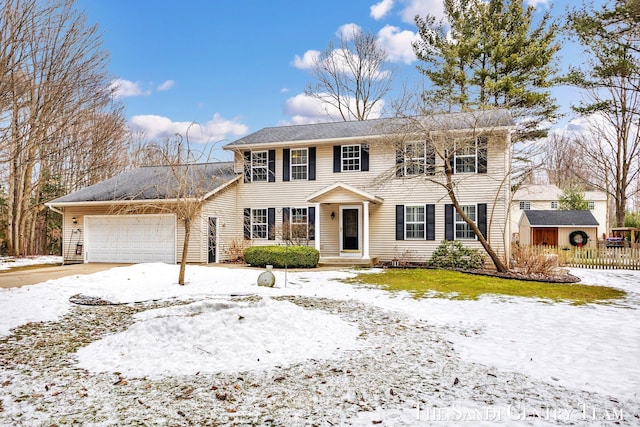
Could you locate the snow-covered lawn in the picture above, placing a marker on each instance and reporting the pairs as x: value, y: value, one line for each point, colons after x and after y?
x: 222, y: 350
x: 8, y: 262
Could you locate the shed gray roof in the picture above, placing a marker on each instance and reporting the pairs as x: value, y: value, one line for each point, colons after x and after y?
x: 554, y: 218
x: 376, y: 127
x: 153, y: 183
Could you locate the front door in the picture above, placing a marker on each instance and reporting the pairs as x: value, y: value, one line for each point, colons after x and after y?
x: 545, y: 236
x: 350, y: 229
x: 212, y: 239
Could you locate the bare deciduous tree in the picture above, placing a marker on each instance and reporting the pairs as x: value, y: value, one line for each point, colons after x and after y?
x: 59, y: 124
x: 353, y: 77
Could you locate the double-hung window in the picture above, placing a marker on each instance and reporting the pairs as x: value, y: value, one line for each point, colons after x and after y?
x: 414, y: 222
x: 259, y: 223
x: 299, y: 223
x: 299, y: 163
x: 466, y: 156
x: 591, y: 205
x: 350, y: 158
x: 414, y: 158
x: 526, y: 205
x: 463, y: 230
x: 554, y: 204
x: 259, y: 166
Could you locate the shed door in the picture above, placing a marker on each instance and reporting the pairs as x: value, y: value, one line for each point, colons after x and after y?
x: 545, y: 236
x: 130, y: 238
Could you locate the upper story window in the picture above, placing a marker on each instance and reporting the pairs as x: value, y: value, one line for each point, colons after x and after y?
x: 416, y: 158
x: 259, y: 223
x: 350, y: 158
x: 299, y: 164
x: 466, y: 157
x: 414, y: 222
x: 469, y: 155
x: 591, y: 205
x: 259, y: 166
x: 526, y: 205
x: 554, y: 204
x: 463, y: 230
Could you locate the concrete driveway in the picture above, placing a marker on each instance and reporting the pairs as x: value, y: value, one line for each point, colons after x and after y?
x: 18, y: 278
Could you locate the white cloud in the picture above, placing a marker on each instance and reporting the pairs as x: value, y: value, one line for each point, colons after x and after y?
x: 308, y: 59
x: 160, y: 127
x: 304, y: 109
x: 379, y: 10
x: 535, y: 3
x: 125, y: 88
x: 422, y: 8
x: 397, y: 43
x: 348, y: 31
x: 168, y: 84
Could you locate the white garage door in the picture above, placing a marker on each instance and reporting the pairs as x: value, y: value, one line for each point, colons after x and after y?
x: 130, y: 239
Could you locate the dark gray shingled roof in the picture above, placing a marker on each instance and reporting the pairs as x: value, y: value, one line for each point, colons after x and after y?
x: 153, y: 182
x: 376, y: 127
x: 553, y: 218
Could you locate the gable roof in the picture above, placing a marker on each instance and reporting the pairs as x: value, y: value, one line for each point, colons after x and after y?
x: 154, y: 183
x: 555, y: 218
x: 371, y: 128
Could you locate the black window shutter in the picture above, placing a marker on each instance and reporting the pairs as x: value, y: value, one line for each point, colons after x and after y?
x: 337, y: 158
x: 312, y: 163
x: 247, y: 166
x: 364, y: 157
x: 285, y: 222
x: 482, y: 219
x: 399, y: 222
x: 271, y: 223
x: 312, y: 223
x: 399, y: 162
x: 449, y: 232
x: 272, y: 165
x: 482, y: 154
x: 430, y: 226
x: 247, y: 223
x: 286, y: 161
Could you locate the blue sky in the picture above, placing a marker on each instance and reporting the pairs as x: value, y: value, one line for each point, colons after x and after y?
x: 236, y: 66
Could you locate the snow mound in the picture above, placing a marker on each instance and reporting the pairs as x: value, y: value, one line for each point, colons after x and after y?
x: 220, y: 336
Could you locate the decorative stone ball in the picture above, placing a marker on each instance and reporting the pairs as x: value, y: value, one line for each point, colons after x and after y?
x: 266, y: 278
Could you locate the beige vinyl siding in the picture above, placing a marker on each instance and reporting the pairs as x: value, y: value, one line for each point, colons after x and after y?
x: 223, y: 207
x: 489, y: 188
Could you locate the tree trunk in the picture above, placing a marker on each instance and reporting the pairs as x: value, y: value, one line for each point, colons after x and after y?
x: 185, y: 249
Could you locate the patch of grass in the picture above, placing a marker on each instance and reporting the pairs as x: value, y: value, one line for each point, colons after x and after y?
x: 462, y: 286
x: 29, y: 267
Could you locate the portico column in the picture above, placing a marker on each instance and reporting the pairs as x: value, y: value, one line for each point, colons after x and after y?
x: 365, y: 224
x: 316, y: 226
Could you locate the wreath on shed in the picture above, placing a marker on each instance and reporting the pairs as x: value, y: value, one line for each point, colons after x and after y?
x: 578, y: 238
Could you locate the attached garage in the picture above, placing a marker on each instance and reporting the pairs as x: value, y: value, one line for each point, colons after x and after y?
x: 130, y: 238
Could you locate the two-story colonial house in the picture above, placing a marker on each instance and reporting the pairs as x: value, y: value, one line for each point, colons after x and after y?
x: 359, y: 191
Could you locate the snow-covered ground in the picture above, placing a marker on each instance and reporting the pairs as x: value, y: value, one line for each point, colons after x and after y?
x: 517, y: 360
x: 8, y: 262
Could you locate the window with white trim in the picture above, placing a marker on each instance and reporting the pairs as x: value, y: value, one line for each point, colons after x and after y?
x: 259, y: 224
x: 463, y: 230
x: 526, y: 205
x: 299, y: 163
x: 299, y: 223
x: 414, y: 222
x: 591, y: 205
x: 259, y: 166
x: 554, y: 204
x: 414, y: 158
x: 466, y: 156
x: 351, y: 158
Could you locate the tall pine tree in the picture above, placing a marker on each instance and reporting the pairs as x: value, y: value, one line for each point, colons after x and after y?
x: 490, y: 54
